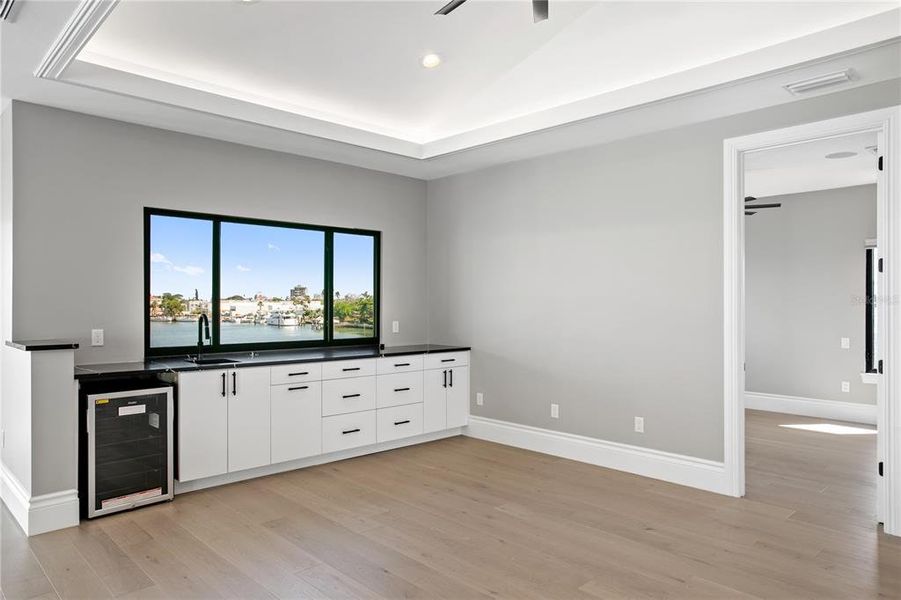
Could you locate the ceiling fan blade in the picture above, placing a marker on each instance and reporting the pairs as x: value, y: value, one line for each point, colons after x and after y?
x: 764, y: 206
x: 539, y: 10
x: 749, y: 213
x: 750, y: 198
x: 449, y: 7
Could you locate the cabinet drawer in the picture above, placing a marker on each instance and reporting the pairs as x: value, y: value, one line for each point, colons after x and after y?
x: 443, y: 360
x: 296, y: 373
x: 399, y: 364
x: 348, y: 395
x: 399, y: 422
x: 398, y: 389
x: 348, y: 368
x: 341, y: 432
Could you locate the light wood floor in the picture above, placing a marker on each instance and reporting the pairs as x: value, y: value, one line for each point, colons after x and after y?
x: 462, y: 518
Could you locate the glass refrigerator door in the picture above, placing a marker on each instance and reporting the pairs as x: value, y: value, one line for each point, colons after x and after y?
x: 130, y: 450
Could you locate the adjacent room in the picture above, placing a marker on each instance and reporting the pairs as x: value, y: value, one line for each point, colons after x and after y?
x: 812, y: 318
x: 467, y: 299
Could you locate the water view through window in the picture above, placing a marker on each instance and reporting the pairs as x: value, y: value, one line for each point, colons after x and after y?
x: 275, y: 284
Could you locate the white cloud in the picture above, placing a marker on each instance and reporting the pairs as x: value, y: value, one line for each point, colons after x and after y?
x: 242, y: 268
x: 156, y: 257
x: 189, y: 270
x: 272, y: 247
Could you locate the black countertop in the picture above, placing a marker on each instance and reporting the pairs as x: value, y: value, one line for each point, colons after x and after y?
x: 258, y: 359
x: 39, y: 345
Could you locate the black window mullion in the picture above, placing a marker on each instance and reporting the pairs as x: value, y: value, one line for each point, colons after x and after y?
x: 328, y: 294
x: 215, y: 300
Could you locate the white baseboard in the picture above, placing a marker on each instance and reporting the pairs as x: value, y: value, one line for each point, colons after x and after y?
x: 38, y: 514
x: 182, y: 487
x: 812, y: 407
x: 676, y: 468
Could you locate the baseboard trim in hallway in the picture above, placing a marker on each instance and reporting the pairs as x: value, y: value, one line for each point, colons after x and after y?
x: 675, y: 468
x: 812, y: 407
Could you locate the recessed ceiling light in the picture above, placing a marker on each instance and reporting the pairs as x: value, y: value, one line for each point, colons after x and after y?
x: 841, y: 155
x: 430, y: 61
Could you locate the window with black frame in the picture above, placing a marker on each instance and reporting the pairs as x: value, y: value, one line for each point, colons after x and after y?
x: 262, y: 284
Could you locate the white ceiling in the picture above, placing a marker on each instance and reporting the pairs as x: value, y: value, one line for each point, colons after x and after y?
x: 341, y: 81
x: 357, y: 63
x: 805, y: 168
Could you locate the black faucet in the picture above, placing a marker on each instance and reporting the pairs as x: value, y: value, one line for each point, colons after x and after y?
x: 203, y: 323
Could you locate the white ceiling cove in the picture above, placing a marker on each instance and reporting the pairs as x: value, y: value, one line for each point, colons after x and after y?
x: 342, y: 80
x: 358, y: 63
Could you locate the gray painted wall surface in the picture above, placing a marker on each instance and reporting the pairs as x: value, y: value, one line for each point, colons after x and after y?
x: 593, y: 278
x: 805, y: 266
x: 81, y: 183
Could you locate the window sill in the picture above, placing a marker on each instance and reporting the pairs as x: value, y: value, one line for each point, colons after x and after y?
x: 870, y: 378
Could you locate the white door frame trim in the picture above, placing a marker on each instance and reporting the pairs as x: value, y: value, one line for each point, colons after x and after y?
x: 887, y: 124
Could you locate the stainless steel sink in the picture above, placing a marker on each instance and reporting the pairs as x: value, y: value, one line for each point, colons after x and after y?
x: 214, y: 361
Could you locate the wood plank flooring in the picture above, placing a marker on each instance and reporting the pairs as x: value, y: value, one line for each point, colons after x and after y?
x: 463, y: 518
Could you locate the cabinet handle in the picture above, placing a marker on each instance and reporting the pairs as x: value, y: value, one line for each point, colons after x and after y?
x: 350, y: 431
x: 402, y: 422
x: 351, y: 396
x: 448, y: 359
x: 452, y: 378
x: 445, y: 378
x: 401, y: 364
x: 234, y: 384
x: 351, y: 369
x: 223, y: 385
x: 300, y: 387
x: 296, y: 374
x: 401, y: 389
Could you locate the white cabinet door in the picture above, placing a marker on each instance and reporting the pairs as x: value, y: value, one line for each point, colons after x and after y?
x: 434, y: 400
x: 458, y: 397
x: 296, y: 421
x: 248, y: 418
x: 202, y: 424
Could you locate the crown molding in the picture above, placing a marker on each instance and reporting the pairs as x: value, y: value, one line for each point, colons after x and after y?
x: 89, y: 15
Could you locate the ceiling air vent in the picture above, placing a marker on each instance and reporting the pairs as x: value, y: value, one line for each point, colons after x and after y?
x: 6, y: 7
x: 819, y: 82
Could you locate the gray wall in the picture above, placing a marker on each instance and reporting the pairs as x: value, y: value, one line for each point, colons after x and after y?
x: 593, y: 278
x: 81, y: 183
x: 805, y: 266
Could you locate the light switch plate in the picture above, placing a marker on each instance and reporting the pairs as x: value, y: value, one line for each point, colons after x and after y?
x: 846, y: 386
x: 480, y: 399
x: 846, y: 343
x: 555, y: 411
x: 96, y: 337
x: 395, y: 326
x: 639, y: 424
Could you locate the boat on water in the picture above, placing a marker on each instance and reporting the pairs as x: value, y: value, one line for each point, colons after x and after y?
x: 278, y: 319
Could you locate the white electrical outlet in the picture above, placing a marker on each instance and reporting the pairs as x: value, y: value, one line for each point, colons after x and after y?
x: 395, y: 326
x: 96, y: 337
x: 555, y: 411
x: 846, y: 343
x: 480, y: 399
x: 846, y: 386
x: 639, y: 424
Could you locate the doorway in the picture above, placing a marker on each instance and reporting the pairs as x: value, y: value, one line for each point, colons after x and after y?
x: 738, y: 152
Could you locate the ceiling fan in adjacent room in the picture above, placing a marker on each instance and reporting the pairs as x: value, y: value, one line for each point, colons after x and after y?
x: 539, y: 9
x: 752, y: 209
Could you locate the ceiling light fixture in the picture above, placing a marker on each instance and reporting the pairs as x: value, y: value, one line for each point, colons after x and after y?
x: 430, y: 61
x: 841, y: 155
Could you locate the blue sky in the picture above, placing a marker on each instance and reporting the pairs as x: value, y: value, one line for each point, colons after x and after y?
x: 270, y: 260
